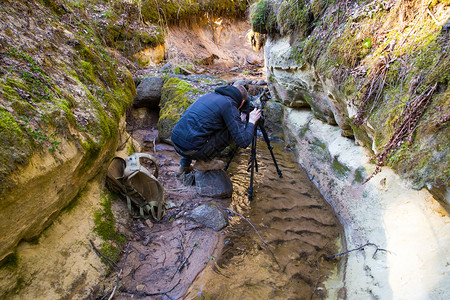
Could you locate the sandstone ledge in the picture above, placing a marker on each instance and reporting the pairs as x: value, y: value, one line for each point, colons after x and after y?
x: 410, y: 224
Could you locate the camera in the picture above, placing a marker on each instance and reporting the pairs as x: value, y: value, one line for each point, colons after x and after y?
x: 258, y: 101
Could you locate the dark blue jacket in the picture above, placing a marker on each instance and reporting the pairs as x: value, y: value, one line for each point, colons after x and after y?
x: 208, y: 115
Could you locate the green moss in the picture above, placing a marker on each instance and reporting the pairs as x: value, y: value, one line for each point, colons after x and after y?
x: 109, y: 251
x: 263, y: 17
x: 162, y: 12
x: 360, y: 175
x: 88, y: 71
x: 339, y: 169
x: 131, y: 149
x: 85, y: 52
x: 320, y: 150
x: 13, y: 144
x: 297, y: 54
x: 105, y: 222
x: 295, y: 16
x: 105, y: 228
x: 176, y: 96
x: 55, y: 6
x: 346, y: 50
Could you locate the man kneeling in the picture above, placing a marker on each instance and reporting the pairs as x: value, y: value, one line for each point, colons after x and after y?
x: 209, y: 125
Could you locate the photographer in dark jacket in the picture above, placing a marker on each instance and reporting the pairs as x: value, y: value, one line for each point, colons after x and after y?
x: 209, y: 125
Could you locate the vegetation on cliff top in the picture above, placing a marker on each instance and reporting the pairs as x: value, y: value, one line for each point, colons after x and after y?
x: 391, y: 60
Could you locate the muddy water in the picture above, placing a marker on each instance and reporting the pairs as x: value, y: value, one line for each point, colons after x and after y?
x: 292, y: 218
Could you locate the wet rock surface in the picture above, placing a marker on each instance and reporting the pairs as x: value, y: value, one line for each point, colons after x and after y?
x: 213, y: 183
x: 209, y: 215
x: 148, y: 92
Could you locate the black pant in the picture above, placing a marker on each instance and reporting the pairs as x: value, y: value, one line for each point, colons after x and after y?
x: 215, y: 144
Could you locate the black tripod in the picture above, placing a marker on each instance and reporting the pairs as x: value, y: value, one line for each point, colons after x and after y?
x: 253, y: 163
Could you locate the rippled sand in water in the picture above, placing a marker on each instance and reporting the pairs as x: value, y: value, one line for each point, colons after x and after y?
x: 298, y: 225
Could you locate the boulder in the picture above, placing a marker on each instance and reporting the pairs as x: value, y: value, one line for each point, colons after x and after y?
x: 148, y: 92
x: 209, y: 215
x: 177, y: 94
x: 167, y: 68
x: 213, y: 183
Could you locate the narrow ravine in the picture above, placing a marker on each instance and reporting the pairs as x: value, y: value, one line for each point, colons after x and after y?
x: 293, y: 219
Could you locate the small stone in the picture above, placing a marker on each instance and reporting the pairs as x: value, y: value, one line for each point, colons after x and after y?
x: 234, y: 69
x: 261, y: 82
x: 140, y: 288
x: 242, y: 82
x: 167, y: 68
x: 209, y: 215
x: 149, y: 223
x: 146, y: 241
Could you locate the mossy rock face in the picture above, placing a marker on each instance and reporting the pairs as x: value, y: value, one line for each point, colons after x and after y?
x: 263, y: 17
x: 61, y: 100
x: 177, y: 94
x: 372, y: 74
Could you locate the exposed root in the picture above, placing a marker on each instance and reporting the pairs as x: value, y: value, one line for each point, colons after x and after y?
x: 372, y: 91
x: 406, y: 125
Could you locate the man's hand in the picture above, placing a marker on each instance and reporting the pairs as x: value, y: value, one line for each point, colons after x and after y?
x: 254, y: 116
x: 243, y: 117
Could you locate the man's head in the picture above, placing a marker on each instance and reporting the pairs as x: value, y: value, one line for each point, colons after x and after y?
x: 243, y: 93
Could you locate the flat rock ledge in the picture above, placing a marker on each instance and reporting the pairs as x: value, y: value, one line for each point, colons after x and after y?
x: 411, y: 225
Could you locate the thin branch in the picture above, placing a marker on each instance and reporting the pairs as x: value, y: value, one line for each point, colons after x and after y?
x: 359, y: 248
x: 184, y: 261
x: 231, y: 211
x: 109, y: 261
x: 432, y: 16
x: 153, y: 294
x: 120, y: 272
x: 318, y: 278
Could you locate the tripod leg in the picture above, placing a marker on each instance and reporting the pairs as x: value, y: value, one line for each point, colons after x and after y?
x: 231, y: 158
x: 253, y: 164
x: 270, y: 147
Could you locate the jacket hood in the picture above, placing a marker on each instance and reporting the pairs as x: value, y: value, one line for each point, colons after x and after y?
x: 232, y: 92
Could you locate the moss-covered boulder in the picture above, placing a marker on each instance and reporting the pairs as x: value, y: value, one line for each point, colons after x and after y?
x: 177, y: 94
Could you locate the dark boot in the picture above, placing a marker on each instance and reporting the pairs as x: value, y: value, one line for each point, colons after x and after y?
x: 183, y: 170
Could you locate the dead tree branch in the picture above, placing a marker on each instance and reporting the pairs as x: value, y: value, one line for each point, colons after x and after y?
x: 109, y: 261
x: 318, y: 278
x: 406, y: 125
x: 153, y: 294
x: 233, y: 212
x: 359, y: 248
x: 120, y: 272
x: 185, y: 260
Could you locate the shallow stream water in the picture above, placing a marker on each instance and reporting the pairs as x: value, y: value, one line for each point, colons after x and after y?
x: 292, y: 218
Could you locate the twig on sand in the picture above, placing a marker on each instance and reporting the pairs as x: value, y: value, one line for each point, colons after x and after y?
x: 318, y: 278
x: 153, y: 294
x: 233, y: 212
x: 185, y: 260
x: 359, y: 248
x: 120, y: 272
x: 109, y: 261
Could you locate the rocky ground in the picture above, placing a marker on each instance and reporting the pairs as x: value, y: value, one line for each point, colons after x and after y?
x: 164, y: 258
